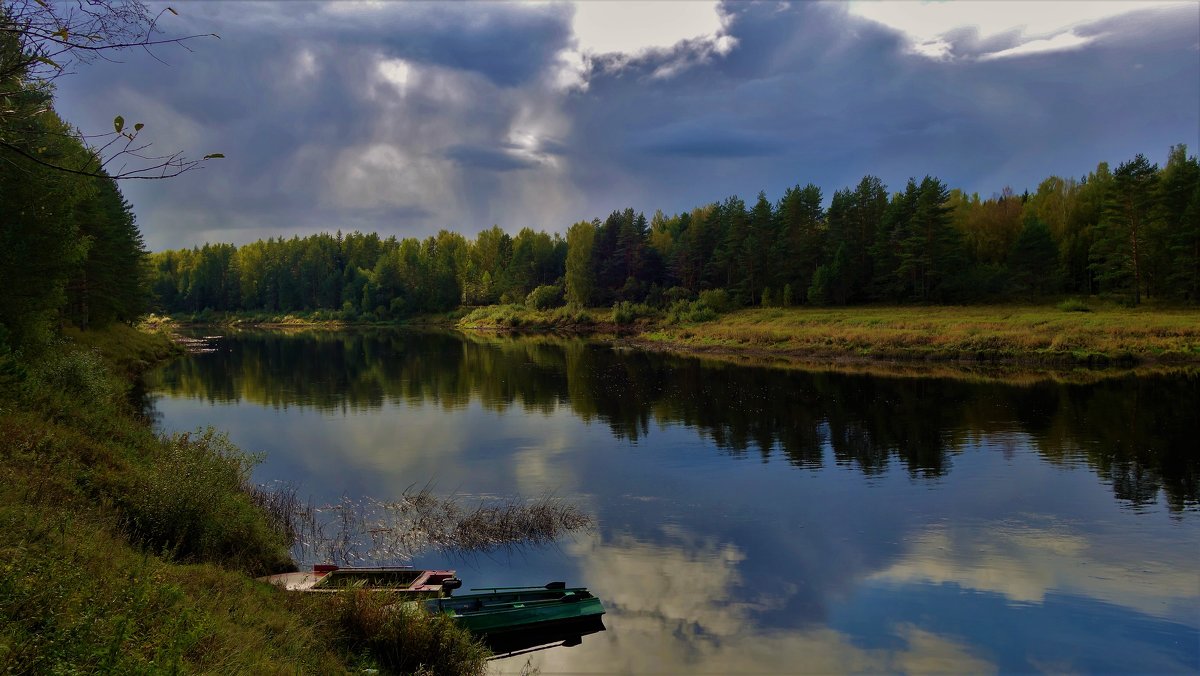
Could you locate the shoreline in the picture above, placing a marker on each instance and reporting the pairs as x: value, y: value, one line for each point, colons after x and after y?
x: 941, y: 339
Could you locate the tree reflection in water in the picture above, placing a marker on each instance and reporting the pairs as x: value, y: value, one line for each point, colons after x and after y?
x: 1136, y: 433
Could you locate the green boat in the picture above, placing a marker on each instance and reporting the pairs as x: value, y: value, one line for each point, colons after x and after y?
x: 500, y: 610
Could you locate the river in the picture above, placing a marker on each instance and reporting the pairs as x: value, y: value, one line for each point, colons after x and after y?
x: 754, y: 519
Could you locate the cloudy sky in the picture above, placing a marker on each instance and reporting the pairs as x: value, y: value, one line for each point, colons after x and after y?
x: 406, y: 118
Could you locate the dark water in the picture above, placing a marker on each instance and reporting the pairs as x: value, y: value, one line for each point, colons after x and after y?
x: 758, y: 520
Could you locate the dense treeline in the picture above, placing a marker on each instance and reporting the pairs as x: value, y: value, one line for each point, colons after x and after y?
x: 359, y: 274
x: 69, y: 246
x: 1132, y: 233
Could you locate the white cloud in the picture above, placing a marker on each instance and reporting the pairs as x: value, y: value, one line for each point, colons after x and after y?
x: 628, y: 27
x: 1039, y: 26
x: 1026, y: 563
x: 1060, y: 42
x: 395, y: 72
x: 631, y: 28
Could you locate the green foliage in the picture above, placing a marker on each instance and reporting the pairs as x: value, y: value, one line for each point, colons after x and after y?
x: 717, y: 300
x: 194, y: 503
x: 819, y: 292
x: 925, y: 244
x: 76, y: 593
x: 1074, y: 305
x: 1035, y: 260
x: 545, y: 297
x: 625, y: 312
x: 404, y: 638
x: 1120, y: 250
x: 689, y: 311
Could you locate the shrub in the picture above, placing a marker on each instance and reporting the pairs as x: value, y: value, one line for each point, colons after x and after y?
x: 684, y: 311
x: 626, y: 312
x: 545, y: 297
x: 1074, y: 305
x: 404, y: 638
x: 676, y: 294
x: 194, y: 504
x: 77, y: 373
x: 716, y: 300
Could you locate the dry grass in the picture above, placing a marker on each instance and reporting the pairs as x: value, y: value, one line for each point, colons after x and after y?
x: 1019, y: 334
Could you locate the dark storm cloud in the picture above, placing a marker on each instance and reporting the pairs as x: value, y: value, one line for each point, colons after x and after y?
x: 843, y: 97
x: 315, y: 135
x: 406, y: 118
x: 705, y: 139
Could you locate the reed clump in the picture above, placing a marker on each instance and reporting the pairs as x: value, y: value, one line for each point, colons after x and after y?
x: 370, y: 531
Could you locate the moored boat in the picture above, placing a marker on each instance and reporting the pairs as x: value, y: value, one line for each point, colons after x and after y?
x: 497, y: 611
x: 329, y: 578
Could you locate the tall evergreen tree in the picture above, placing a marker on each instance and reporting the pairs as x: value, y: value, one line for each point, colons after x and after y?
x: 1179, y: 214
x: 1119, y: 251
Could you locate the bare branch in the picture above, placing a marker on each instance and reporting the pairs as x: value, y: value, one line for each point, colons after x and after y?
x: 41, y: 40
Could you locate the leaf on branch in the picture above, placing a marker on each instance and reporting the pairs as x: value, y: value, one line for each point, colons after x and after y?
x: 47, y: 60
x: 138, y: 127
x: 215, y: 156
x: 172, y: 10
x: 62, y: 33
x: 118, y: 123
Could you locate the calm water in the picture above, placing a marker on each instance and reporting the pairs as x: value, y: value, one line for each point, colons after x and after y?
x: 757, y: 520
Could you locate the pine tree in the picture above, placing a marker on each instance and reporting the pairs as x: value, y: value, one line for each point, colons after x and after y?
x: 1119, y: 251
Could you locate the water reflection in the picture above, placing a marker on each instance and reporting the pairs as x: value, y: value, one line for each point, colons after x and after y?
x: 756, y: 520
x: 1026, y: 561
x: 1136, y: 433
x: 682, y: 606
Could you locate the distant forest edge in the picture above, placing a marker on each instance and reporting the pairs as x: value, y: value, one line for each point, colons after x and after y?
x: 1131, y: 234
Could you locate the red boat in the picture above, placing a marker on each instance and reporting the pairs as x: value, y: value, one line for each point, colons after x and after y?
x: 404, y: 580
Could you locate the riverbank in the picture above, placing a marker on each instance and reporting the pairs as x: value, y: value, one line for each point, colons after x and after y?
x: 108, y: 559
x: 1070, y: 334
x: 1010, y: 335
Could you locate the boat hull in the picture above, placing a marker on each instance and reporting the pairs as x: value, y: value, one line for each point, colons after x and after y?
x: 493, y: 614
x: 331, y: 579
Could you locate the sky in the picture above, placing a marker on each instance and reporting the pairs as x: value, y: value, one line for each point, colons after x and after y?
x: 408, y: 118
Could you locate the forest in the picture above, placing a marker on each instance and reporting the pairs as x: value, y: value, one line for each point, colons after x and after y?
x: 71, y: 251
x: 70, y: 248
x: 1130, y: 234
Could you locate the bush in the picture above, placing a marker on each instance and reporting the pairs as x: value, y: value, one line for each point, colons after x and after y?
x: 716, y: 300
x: 404, y: 638
x: 194, y: 504
x: 676, y: 294
x: 545, y: 297
x: 684, y: 311
x: 1074, y: 305
x: 626, y: 312
x: 76, y: 373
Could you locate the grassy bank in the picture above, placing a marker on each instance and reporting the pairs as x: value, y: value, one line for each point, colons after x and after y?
x: 1070, y: 333
x: 317, y: 319
x: 1051, y: 335
x: 1066, y: 334
x: 123, y: 551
